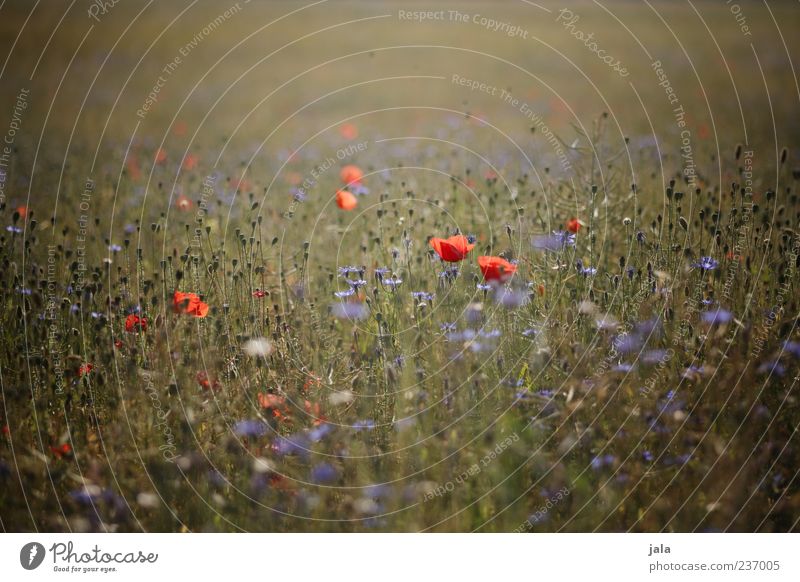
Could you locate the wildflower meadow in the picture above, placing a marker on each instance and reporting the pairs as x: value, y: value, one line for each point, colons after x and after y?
x: 391, y: 267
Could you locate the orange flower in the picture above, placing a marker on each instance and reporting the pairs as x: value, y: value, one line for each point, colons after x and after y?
x: 22, y: 211
x: 453, y: 249
x: 348, y: 131
x: 351, y: 175
x: 314, y: 411
x: 183, y: 202
x: 190, y: 304
x: 161, y: 156
x: 85, y: 369
x: 190, y: 162
x: 134, y: 323
x: 61, y: 451
x: 573, y: 225
x: 496, y: 268
x: 346, y: 200
x: 205, y: 382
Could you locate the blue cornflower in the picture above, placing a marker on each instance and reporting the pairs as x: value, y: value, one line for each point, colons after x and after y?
x: 706, y: 264
x: 381, y: 272
x: 511, y: 299
x: 447, y: 326
x: 392, y: 283
x: 422, y: 295
x: 14, y: 229
x: 347, y: 270
x: 324, y: 473
x: 114, y: 248
x: 718, y: 316
x: 364, y: 424
x: 792, y: 347
x: 356, y: 283
x: 484, y: 287
x: 530, y: 332
x: 773, y: 367
x: 354, y: 311
x: 567, y: 238
x: 250, y: 428
x: 345, y: 293
x: 320, y: 432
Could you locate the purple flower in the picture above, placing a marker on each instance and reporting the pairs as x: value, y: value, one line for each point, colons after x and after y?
x: 553, y: 242
x: 320, y: 432
x: 324, y: 473
x: 530, y: 333
x: 446, y: 326
x: 484, y: 287
x: 114, y: 248
x: 14, y: 229
x: 604, y: 461
x: 381, y: 272
x: 295, y: 444
x: 352, y: 311
x: 511, y: 299
x: 347, y: 270
x: 706, y: 264
x: 718, y: 316
x: 345, y: 293
x: 392, y: 283
x: 449, y: 273
x: 250, y: 428
x: 422, y: 295
x: 772, y: 367
x: 364, y: 424
x: 792, y: 347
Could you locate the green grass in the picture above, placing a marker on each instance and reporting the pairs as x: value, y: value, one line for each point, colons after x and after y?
x: 457, y: 413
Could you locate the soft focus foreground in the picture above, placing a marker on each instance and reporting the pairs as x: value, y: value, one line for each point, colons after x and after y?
x: 354, y: 267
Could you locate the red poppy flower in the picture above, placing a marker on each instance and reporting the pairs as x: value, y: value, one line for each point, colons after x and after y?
x: 190, y: 304
x: 85, y: 369
x: 573, y: 225
x: 496, y: 268
x: 313, y: 381
x: 351, y: 175
x: 348, y: 131
x: 6, y: 430
x: 183, y: 202
x: 259, y: 293
x: 266, y: 400
x: 180, y: 128
x: 161, y: 156
x: 134, y: 323
x: 118, y: 344
x: 452, y: 249
x: 205, y: 382
x: 314, y: 411
x: 61, y: 451
x: 134, y: 171
x: 22, y: 211
x: 190, y: 162
x: 346, y: 200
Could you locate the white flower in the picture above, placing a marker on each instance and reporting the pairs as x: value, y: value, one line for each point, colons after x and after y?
x: 343, y: 397
x: 258, y: 347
